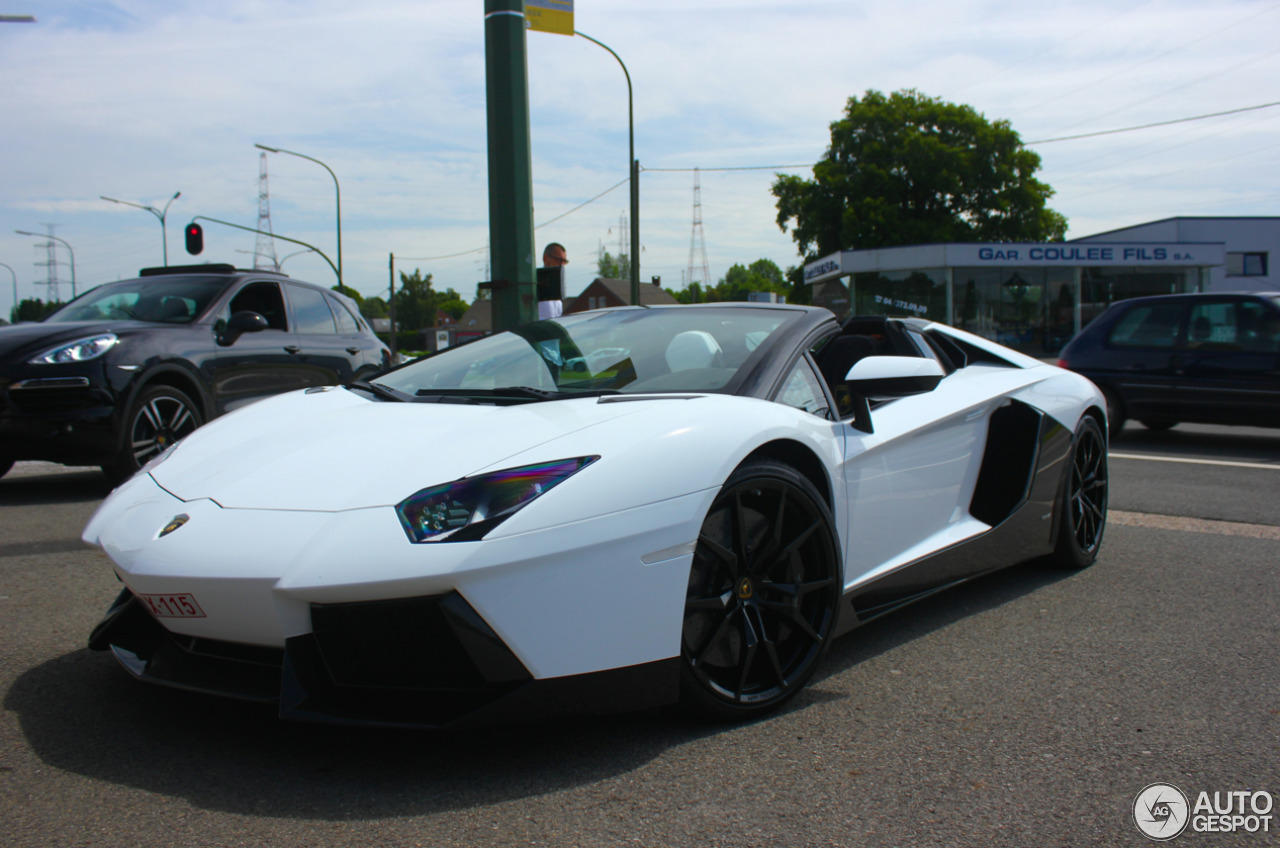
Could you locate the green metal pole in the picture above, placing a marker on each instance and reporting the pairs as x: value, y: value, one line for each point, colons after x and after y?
x: 391, y: 305
x: 510, y: 165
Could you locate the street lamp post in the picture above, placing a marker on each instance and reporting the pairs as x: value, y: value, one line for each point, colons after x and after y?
x: 13, y: 314
x: 164, y: 235
x: 336, y: 189
x: 69, y: 250
x: 634, y: 170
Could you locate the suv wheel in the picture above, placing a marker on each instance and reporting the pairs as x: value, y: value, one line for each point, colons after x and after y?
x: 158, y: 417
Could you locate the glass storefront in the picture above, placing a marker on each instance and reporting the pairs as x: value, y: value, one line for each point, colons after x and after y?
x: 1031, y: 309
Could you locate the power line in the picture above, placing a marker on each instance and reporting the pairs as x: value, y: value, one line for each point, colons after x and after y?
x: 743, y: 168
x: 1156, y: 124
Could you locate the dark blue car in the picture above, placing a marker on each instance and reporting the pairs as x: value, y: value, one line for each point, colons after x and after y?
x: 1204, y: 358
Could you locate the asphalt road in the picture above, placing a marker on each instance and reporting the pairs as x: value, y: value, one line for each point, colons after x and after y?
x: 1026, y: 709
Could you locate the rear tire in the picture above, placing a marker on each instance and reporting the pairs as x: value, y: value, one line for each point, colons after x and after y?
x: 158, y: 417
x: 1082, y: 516
x: 764, y: 594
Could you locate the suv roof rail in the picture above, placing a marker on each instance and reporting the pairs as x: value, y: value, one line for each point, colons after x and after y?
x: 207, y: 268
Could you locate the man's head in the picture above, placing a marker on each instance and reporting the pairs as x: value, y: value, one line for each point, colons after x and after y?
x: 554, y: 254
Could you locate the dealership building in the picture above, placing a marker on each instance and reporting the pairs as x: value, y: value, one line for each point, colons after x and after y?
x: 1036, y: 296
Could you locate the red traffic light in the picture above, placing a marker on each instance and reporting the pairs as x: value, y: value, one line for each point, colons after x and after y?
x: 195, y: 238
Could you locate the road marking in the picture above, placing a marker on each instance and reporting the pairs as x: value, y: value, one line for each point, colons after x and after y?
x: 1188, y: 461
x: 1193, y: 525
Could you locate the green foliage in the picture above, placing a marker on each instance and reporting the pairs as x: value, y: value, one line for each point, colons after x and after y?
x: 691, y: 293
x: 454, y: 307
x: 340, y: 288
x: 763, y: 275
x: 374, y: 307
x: 801, y: 292
x: 614, y: 268
x: 911, y: 169
x: 417, y: 304
x: 34, y: 309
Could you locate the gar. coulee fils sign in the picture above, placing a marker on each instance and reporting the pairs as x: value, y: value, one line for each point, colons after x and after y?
x: 1117, y: 253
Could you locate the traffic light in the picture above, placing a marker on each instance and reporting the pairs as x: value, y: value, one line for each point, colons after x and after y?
x: 195, y: 238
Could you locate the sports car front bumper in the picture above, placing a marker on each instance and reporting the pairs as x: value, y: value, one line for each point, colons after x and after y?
x: 337, y: 617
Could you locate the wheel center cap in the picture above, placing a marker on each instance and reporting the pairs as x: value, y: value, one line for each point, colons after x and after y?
x: 745, y: 589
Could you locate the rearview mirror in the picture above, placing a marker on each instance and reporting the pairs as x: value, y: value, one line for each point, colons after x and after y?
x: 885, y: 377
x: 241, y: 323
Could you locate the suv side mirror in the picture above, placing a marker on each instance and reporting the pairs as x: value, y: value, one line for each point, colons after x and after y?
x: 241, y: 323
x: 885, y: 377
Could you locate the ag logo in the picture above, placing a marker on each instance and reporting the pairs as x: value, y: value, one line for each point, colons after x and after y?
x: 174, y: 523
x: 1161, y: 811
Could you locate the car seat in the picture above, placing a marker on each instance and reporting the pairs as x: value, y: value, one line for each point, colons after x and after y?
x: 694, y: 349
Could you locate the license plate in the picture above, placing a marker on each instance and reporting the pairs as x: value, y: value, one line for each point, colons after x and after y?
x: 172, y: 606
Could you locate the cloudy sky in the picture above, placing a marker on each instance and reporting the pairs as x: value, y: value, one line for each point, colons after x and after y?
x: 138, y: 99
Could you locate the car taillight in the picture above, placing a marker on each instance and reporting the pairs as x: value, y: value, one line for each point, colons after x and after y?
x: 1062, y: 363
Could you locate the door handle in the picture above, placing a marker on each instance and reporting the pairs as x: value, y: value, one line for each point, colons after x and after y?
x: 353, y: 350
x: 292, y: 349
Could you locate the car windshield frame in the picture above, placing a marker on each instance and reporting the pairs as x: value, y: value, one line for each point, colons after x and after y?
x: 630, y: 350
x: 153, y: 300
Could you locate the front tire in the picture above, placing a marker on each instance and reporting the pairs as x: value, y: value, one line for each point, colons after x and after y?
x: 763, y: 597
x: 1083, y: 510
x: 158, y: 417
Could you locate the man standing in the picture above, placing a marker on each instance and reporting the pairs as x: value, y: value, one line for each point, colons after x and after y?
x: 553, y: 256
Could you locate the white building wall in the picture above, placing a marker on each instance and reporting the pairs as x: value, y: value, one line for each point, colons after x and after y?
x: 1238, y: 235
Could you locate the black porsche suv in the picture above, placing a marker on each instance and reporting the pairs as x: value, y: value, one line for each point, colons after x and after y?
x: 129, y: 367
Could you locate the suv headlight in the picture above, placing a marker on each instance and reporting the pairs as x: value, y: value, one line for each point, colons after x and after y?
x: 466, y: 509
x: 81, y: 350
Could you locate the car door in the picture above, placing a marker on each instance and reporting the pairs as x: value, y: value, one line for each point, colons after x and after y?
x: 258, y: 364
x: 907, y: 483
x: 363, y: 348
x: 322, y: 352
x: 1229, y: 369
x: 1142, y: 348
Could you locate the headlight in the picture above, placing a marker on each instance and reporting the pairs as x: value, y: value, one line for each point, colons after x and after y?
x: 77, y: 351
x: 466, y: 509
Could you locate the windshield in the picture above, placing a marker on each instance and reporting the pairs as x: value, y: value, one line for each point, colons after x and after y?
x: 676, y: 349
x: 162, y: 300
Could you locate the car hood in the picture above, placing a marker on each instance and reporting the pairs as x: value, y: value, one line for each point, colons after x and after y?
x: 336, y: 449
x: 27, y: 340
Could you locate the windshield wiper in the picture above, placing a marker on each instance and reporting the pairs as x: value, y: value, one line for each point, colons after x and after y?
x: 378, y: 389
x: 510, y: 394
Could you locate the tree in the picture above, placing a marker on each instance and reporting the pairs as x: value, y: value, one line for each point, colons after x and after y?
x: 691, y: 293
x: 374, y: 307
x: 911, y: 169
x: 417, y: 304
x: 763, y: 275
x: 614, y: 268
x: 340, y: 288
x: 34, y: 309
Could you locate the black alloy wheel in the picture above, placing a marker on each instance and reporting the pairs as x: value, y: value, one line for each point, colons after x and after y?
x: 763, y: 597
x: 158, y: 418
x: 1084, y: 498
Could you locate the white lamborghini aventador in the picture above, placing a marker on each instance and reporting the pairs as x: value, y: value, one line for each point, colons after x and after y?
x: 603, y: 512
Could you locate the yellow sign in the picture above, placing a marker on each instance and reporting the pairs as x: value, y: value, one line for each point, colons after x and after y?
x: 549, y: 16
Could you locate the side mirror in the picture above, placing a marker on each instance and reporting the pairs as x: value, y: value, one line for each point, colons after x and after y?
x: 241, y: 323
x: 885, y: 377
